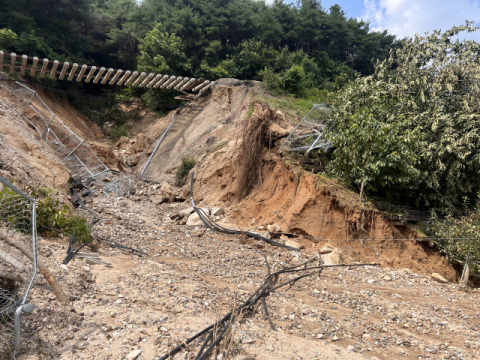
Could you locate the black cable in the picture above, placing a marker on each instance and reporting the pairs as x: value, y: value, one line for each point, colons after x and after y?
x: 214, y: 226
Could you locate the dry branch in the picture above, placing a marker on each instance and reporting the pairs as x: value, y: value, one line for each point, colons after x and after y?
x: 57, y: 289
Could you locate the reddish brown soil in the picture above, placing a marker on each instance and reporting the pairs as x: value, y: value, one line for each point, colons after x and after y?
x: 312, y: 205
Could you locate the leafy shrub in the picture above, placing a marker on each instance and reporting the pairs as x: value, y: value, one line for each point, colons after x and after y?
x: 182, y: 172
x: 52, y: 219
x: 118, y: 132
x: 451, y: 228
x: 273, y: 82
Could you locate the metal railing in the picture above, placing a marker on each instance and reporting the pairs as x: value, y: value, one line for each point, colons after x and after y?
x: 308, y: 134
x: 18, y: 229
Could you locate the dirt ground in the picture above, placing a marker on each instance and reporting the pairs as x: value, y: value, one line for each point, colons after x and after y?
x: 192, y: 275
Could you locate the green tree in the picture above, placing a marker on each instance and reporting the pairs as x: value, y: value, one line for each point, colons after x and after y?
x: 8, y: 39
x: 430, y: 83
x: 162, y: 53
x: 294, y: 80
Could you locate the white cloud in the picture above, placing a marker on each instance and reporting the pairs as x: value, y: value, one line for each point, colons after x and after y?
x: 408, y: 17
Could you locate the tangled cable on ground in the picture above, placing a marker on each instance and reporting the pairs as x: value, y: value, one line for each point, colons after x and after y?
x: 270, y: 284
x: 214, y: 226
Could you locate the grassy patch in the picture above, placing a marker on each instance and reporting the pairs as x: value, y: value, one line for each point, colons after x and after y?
x: 296, y: 107
x: 118, y: 132
x: 182, y: 172
x: 251, y: 108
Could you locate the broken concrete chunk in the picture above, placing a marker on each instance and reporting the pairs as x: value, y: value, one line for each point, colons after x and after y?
x: 439, y: 278
x: 332, y: 258
x: 292, y: 244
x: 218, y: 211
x: 326, y: 249
x: 168, y: 193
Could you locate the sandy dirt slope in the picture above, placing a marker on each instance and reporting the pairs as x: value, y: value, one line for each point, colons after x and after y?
x: 24, y: 156
x: 200, y: 129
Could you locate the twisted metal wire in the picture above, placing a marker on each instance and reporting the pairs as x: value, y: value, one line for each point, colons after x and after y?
x: 17, y: 271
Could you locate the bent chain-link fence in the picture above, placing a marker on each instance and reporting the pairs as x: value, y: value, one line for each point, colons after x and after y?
x: 76, y: 154
x: 308, y: 134
x: 18, y: 230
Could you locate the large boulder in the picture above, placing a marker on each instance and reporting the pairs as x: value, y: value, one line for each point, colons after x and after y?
x: 327, y: 249
x: 168, y: 193
x: 439, y: 278
x: 194, y: 220
x: 184, y: 193
x: 293, y: 244
x: 218, y: 211
x: 274, y: 229
x: 185, y: 212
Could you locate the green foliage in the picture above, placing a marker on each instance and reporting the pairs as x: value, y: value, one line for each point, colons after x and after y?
x: 296, y: 107
x: 182, y: 172
x: 294, y: 80
x: 162, y: 53
x: 118, y: 132
x: 452, y: 227
x: 8, y: 39
x: 427, y: 95
x: 210, y: 39
x: 52, y: 219
x: 101, y: 112
x: 375, y: 150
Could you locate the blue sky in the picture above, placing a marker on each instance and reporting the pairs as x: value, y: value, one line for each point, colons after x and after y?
x: 408, y: 17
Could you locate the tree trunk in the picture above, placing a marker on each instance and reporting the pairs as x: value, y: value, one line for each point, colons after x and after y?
x: 57, y: 289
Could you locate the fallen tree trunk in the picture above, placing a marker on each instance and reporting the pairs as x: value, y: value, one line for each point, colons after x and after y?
x: 57, y: 289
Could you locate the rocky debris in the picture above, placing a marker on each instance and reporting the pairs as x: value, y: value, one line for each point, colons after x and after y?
x: 185, y: 212
x: 326, y: 249
x: 194, y: 220
x: 184, y: 193
x: 168, y: 193
x: 134, y: 354
x: 193, y: 274
x: 133, y: 160
x: 439, y: 278
x: 274, y: 229
x: 293, y: 244
x: 218, y: 211
x: 333, y: 257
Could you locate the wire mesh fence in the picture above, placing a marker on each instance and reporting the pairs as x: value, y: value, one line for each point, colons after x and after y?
x: 18, y: 263
x: 76, y: 155
x: 83, y: 163
x: 308, y: 134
